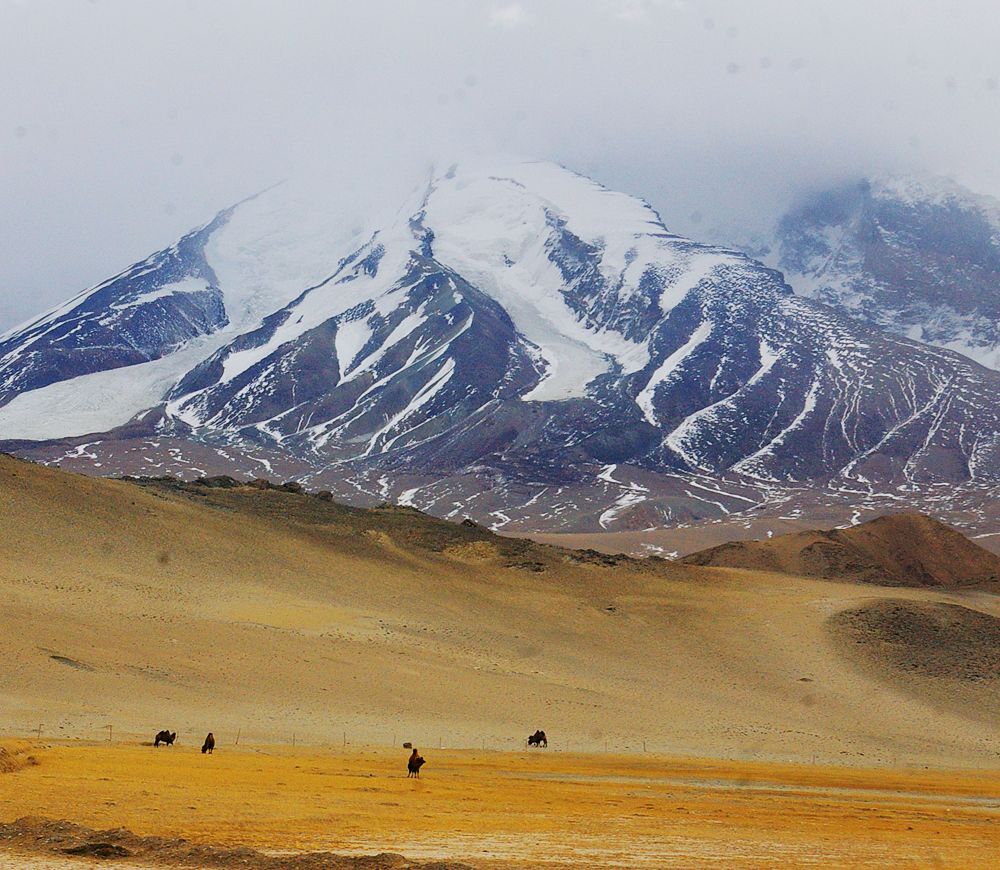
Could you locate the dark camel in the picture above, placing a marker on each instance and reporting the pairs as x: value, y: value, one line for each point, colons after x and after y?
x: 538, y: 739
x: 166, y: 738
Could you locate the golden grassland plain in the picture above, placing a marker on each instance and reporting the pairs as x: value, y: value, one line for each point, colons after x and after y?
x: 280, y: 617
x: 522, y: 809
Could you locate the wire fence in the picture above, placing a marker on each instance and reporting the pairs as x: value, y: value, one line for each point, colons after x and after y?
x: 428, y: 739
x: 310, y: 737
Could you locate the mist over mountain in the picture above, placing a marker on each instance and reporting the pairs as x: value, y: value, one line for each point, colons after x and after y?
x: 915, y: 257
x: 720, y: 114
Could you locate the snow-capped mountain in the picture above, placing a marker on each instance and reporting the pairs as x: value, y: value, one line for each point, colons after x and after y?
x: 519, y: 344
x: 142, y: 314
x: 919, y: 258
x: 118, y: 348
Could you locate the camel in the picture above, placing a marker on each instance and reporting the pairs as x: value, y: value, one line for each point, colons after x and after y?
x: 209, y: 744
x: 414, y: 764
x: 166, y: 738
x: 538, y: 739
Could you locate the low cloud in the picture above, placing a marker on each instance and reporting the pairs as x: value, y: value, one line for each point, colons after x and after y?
x: 508, y: 17
x: 123, y: 125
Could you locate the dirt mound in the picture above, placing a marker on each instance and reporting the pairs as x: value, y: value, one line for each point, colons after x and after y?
x: 14, y: 758
x: 50, y: 836
x: 896, y: 550
x: 98, y: 850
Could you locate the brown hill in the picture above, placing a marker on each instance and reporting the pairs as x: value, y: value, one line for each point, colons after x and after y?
x: 277, y: 615
x: 896, y: 550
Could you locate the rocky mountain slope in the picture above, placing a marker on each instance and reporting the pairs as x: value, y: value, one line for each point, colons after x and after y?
x: 517, y: 343
x: 915, y: 257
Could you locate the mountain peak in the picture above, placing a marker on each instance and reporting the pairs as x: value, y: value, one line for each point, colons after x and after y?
x: 507, y: 331
x: 932, y: 190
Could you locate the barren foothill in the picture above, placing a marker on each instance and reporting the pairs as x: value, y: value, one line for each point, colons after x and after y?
x: 314, y: 639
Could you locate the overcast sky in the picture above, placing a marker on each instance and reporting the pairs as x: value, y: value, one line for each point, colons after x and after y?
x: 125, y: 122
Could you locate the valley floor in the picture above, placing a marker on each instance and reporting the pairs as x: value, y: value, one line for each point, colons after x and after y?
x: 495, y: 810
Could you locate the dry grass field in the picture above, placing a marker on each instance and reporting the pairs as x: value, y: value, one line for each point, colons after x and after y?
x: 282, y: 618
x: 524, y: 809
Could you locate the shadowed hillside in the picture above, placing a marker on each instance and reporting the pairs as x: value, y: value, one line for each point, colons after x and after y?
x: 946, y: 649
x: 353, y: 528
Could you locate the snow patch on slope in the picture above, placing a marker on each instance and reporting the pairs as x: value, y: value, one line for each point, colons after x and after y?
x: 627, y: 499
x: 699, y: 268
x: 668, y: 368
x: 681, y: 439
x: 100, y: 401
x: 273, y: 247
x: 186, y: 285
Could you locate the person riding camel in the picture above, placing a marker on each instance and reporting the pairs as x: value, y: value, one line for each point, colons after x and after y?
x: 414, y: 764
